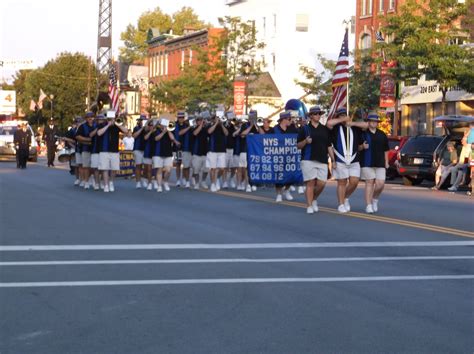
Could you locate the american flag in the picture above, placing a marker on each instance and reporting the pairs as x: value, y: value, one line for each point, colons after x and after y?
x: 113, y: 91
x: 340, y: 79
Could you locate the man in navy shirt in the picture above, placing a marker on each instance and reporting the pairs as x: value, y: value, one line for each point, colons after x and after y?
x: 83, y: 136
x: 243, y: 130
x: 347, y: 142
x: 183, y: 133
x: 374, y: 162
x: 96, y: 144
x: 199, y: 151
x: 138, y: 148
x: 109, y: 156
x: 231, y: 164
x: 217, y: 151
x: 314, y: 140
x: 148, y: 152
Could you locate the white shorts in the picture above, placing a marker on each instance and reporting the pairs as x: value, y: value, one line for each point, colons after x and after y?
x: 243, y: 160
x: 199, y: 164
x: 215, y: 160
x: 373, y: 173
x: 314, y: 170
x: 94, y: 160
x: 138, y: 156
x: 86, y: 159
x: 186, y: 159
x: 162, y: 162
x: 109, y: 161
x: 78, y: 158
x: 344, y: 171
x: 229, y: 159
x: 147, y: 161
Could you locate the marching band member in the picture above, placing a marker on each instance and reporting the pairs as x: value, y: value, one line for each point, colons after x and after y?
x: 109, y: 157
x: 96, y: 142
x: 217, y: 151
x: 199, y: 150
x: 230, y: 163
x: 70, y: 140
x: 163, y: 155
x: 347, y: 142
x: 83, y: 136
x: 78, y: 155
x: 177, y: 152
x: 241, y: 133
x: 283, y: 127
x: 315, y: 142
x: 183, y: 133
x: 148, y: 152
x: 374, y: 162
x: 138, y: 148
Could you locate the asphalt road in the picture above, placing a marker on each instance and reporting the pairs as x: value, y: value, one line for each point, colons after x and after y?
x: 197, y: 272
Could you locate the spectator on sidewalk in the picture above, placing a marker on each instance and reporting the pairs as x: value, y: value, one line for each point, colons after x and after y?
x: 459, y: 172
x: 447, y: 160
x: 128, y: 141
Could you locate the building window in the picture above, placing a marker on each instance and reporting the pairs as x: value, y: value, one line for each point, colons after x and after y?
x: 302, y: 21
x: 364, y: 8
x: 370, y: 6
x: 391, y: 4
x: 190, y: 56
x: 381, y: 5
x: 365, y: 41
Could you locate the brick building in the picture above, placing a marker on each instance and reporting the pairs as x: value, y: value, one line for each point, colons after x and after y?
x: 420, y: 100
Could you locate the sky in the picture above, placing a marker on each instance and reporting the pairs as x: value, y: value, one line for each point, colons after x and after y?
x: 38, y: 30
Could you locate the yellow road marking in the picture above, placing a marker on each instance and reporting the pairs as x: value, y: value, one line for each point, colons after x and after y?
x: 372, y: 217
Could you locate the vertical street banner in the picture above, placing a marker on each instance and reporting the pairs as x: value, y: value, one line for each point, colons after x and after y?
x: 273, y: 158
x: 387, y: 85
x: 239, y: 97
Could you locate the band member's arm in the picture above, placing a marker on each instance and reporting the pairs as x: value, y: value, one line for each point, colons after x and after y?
x: 304, y: 142
x: 184, y: 131
x: 123, y: 129
x: 246, y: 131
x: 161, y: 135
x: 138, y: 132
x: 335, y: 121
x: 173, y: 139
x: 224, y: 129
x: 237, y: 132
x: 361, y: 125
x: 81, y: 138
x: 198, y: 129
x: 386, y: 160
x: 213, y: 127
x: 104, y: 129
x: 332, y: 156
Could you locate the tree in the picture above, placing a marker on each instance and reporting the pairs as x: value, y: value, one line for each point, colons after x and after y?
x: 364, y: 86
x: 425, y: 36
x: 317, y: 86
x: 218, y: 66
x: 134, y: 37
x: 69, y: 78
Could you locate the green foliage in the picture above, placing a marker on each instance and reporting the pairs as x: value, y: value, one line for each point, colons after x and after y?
x: 424, y: 34
x: 211, y: 79
x: 67, y: 78
x: 134, y: 37
x: 317, y: 85
x: 364, y: 87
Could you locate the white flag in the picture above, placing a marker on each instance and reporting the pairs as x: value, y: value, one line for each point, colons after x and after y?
x: 32, y: 105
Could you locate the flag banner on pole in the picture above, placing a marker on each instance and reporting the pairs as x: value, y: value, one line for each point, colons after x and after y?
x: 273, y: 158
x: 340, y: 78
x: 387, y: 85
x: 41, y: 98
x: 113, y: 91
x: 239, y: 97
x: 32, y: 105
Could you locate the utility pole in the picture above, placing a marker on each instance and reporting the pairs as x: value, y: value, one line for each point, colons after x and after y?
x: 88, y: 98
x: 104, y: 40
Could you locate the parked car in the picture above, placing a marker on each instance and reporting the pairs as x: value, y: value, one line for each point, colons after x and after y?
x: 7, y: 148
x: 395, y: 143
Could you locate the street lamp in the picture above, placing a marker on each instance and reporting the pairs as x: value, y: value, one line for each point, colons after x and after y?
x: 51, y: 98
x: 247, y: 68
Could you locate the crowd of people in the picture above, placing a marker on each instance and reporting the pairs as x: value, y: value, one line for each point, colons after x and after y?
x: 216, y: 146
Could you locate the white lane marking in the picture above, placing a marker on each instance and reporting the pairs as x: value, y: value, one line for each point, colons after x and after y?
x: 181, y: 246
x: 229, y: 260
x: 232, y: 281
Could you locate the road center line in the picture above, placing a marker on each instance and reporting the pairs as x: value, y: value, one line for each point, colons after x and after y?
x: 230, y: 260
x: 232, y: 281
x: 181, y: 246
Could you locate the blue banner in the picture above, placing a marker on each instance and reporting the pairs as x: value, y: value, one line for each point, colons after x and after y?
x: 273, y: 159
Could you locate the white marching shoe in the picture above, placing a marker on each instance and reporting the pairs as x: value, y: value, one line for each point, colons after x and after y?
x: 375, y: 205
x: 342, y: 209
x: 288, y: 195
x: 369, y: 209
x: 309, y: 210
x: 279, y: 198
x: 347, y: 205
x: 315, y: 206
